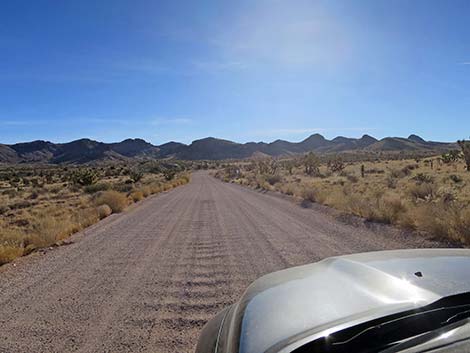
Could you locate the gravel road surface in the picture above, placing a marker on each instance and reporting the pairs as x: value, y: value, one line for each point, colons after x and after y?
x: 148, y: 280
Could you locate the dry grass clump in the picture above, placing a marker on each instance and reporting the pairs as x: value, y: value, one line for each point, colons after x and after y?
x: 116, y: 200
x: 137, y: 196
x: 313, y: 195
x: 421, y: 191
x: 103, y: 211
x: 9, y: 253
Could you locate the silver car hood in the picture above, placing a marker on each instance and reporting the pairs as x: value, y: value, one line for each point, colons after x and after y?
x: 286, y: 309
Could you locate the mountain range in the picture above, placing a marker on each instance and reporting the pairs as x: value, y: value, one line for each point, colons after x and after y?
x: 86, y: 150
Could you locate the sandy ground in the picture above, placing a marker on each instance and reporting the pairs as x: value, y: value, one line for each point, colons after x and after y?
x: 148, y: 280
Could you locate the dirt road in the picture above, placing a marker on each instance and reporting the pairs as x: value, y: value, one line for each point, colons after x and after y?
x: 147, y: 280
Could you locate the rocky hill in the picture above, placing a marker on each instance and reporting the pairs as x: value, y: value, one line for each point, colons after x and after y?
x: 86, y: 150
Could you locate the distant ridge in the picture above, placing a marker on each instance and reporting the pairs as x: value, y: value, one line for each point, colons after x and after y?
x: 210, y: 148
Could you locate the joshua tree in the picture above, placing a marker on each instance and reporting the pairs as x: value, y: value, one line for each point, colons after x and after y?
x: 336, y: 165
x: 136, y: 175
x: 465, y: 146
x: 84, y: 177
x: 452, y: 156
x: 312, y: 164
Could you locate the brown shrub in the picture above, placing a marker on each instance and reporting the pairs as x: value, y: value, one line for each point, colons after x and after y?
x: 389, y: 209
x: 313, y: 195
x: 137, y: 195
x: 115, y: 200
x: 49, y: 230
x: 461, y: 225
x: 84, y: 218
x: 103, y: 211
x: 425, y: 191
x: 146, y: 191
x: 9, y: 253
x: 273, y: 179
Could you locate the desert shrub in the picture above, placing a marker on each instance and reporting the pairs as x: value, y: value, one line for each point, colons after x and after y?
x: 273, y: 179
x: 103, y: 211
x: 391, y: 182
x: 312, y: 164
x: 122, y: 187
x: 10, y: 193
x: 399, y: 173
x: 50, y: 229
x: 460, y: 225
x: 185, y: 178
x: 34, y: 195
x: 169, y: 174
x: 455, y: 178
x: 84, y: 177
x: 309, y: 194
x: 136, y: 175
x: 20, y: 205
x: 137, y: 195
x: 155, y: 188
x: 4, y: 209
x: 389, y: 210
x: 446, y: 195
x: 313, y: 195
x: 115, y: 200
x: 451, y: 156
x: 288, y: 189
x: 9, y: 252
x: 336, y: 164
x: 374, y: 171
x: 352, y: 178
x: 432, y: 218
x: 91, y: 189
x: 84, y: 218
x: 425, y: 191
x: 146, y: 190
x: 423, y: 178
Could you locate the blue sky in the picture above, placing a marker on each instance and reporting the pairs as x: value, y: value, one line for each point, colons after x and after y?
x: 245, y: 70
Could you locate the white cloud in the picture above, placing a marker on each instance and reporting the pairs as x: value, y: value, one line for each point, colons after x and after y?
x: 465, y: 63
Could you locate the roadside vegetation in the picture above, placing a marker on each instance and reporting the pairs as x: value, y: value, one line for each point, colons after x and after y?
x: 430, y: 194
x: 41, y: 206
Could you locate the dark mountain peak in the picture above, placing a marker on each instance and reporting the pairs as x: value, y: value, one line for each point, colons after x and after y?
x: 137, y: 143
x: 316, y: 136
x: 366, y: 137
x: 342, y: 139
x: 171, y: 144
x: 314, y: 141
x: 133, y: 147
x: 28, y: 147
x: 84, y: 142
x: 212, y: 140
x: 134, y: 140
x: 416, y: 138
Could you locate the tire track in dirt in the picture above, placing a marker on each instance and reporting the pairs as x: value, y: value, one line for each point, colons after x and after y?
x: 149, y: 279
